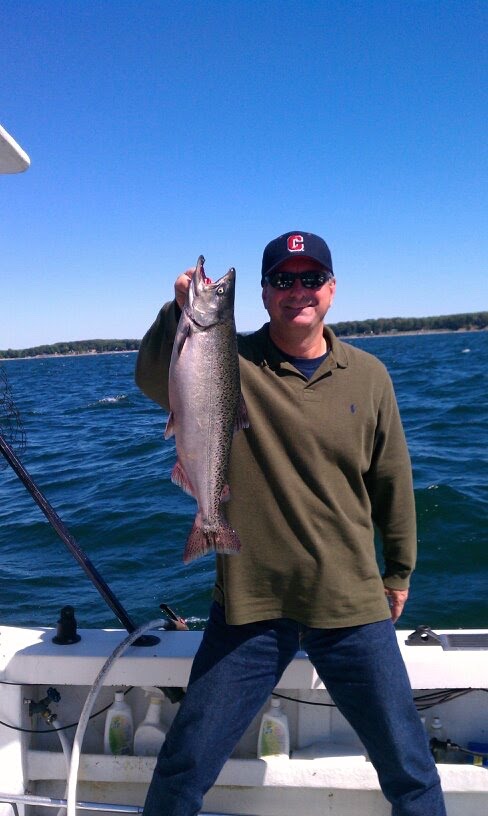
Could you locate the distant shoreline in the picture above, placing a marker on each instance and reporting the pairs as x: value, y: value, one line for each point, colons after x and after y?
x: 344, y: 337
x: 408, y: 333
x: 71, y: 354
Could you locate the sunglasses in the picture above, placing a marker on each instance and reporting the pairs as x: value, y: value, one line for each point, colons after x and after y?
x: 311, y: 279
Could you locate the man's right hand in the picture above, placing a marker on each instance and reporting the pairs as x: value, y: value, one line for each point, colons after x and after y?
x: 182, y: 284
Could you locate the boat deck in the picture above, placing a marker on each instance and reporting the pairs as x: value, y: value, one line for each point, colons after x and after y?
x: 328, y: 771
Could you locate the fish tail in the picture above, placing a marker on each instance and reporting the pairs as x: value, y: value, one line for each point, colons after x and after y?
x: 224, y: 540
x: 197, y: 544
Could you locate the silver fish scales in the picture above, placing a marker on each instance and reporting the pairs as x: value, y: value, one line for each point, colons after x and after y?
x: 206, y: 408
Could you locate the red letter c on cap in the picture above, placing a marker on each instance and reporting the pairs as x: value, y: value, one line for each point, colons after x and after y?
x: 295, y: 243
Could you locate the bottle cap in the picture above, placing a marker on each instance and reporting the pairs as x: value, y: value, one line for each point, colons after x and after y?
x: 119, y: 696
x: 275, y: 702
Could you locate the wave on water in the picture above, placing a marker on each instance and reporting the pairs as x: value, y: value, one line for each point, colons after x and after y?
x: 110, y: 400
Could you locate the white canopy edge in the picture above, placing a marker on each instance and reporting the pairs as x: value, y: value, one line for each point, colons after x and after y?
x: 12, y: 158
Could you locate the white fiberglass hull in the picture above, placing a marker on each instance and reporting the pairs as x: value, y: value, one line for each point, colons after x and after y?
x: 327, y: 773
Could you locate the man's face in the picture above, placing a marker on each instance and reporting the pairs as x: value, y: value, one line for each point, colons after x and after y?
x: 298, y: 307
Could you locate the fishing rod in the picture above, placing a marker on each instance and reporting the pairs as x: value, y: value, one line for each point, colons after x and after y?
x: 13, y: 421
x: 68, y: 539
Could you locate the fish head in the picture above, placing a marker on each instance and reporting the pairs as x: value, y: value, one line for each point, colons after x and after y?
x: 210, y: 302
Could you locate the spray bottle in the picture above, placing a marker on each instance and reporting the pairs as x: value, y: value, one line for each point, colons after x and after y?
x: 149, y: 735
x: 119, y: 727
x: 274, y: 734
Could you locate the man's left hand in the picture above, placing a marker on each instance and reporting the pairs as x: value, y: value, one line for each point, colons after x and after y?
x: 397, y: 599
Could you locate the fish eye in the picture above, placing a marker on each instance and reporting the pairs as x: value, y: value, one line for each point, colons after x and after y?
x: 220, y: 290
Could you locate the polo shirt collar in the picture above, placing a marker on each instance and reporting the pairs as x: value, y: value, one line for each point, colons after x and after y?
x: 271, y: 355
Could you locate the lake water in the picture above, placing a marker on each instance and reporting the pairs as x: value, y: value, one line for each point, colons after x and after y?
x: 95, y: 448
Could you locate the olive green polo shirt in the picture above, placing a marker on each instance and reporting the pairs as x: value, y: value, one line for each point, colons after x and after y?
x: 323, y: 462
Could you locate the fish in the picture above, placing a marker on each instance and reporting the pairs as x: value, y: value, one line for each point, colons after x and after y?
x: 206, y: 408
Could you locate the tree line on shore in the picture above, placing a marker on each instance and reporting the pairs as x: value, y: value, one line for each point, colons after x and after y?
x: 73, y: 347
x: 472, y: 321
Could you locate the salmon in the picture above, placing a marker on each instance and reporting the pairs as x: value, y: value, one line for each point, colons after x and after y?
x: 206, y: 408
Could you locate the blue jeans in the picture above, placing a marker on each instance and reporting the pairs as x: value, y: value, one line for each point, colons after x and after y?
x: 235, y: 671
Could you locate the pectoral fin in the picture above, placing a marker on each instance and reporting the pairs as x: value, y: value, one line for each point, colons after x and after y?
x: 170, y: 426
x: 242, y: 419
x: 181, y: 336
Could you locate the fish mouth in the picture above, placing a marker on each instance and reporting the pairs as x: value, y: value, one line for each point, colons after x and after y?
x: 200, y: 272
x: 209, y: 301
x: 201, y: 281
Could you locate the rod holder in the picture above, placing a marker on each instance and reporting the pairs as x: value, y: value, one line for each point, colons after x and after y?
x: 66, y: 633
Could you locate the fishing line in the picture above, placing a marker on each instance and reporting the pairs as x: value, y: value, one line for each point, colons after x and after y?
x: 11, y: 425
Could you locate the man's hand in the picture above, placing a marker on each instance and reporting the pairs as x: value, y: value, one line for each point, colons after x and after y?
x: 182, y: 284
x: 396, y: 599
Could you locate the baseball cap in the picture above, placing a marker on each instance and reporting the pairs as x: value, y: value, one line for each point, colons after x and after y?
x: 297, y: 243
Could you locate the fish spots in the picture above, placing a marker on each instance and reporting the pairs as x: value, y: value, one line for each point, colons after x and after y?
x: 352, y: 408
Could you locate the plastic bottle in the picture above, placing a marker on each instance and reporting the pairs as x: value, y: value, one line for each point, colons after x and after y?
x: 436, y: 731
x: 119, y: 727
x: 274, y: 734
x: 149, y: 735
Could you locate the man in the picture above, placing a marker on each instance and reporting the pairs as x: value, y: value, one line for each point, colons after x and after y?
x: 323, y: 461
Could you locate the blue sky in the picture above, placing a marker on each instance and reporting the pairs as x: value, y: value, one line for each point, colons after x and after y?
x: 161, y: 130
